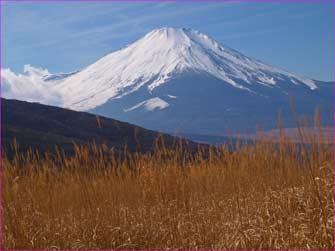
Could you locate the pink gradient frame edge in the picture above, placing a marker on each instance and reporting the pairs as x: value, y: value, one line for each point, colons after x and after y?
x: 129, y: 1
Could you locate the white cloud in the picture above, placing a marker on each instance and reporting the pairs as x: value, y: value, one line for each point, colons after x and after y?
x: 29, y: 86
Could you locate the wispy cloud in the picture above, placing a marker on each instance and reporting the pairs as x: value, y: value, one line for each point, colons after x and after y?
x: 124, y: 22
x: 73, y: 34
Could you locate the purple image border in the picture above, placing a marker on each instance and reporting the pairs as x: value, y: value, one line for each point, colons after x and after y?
x: 172, y: 1
x: 153, y: 1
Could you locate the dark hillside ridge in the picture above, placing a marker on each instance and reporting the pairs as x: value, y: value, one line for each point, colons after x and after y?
x: 43, y: 127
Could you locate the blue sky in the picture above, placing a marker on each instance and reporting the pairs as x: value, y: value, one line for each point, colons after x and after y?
x: 63, y: 37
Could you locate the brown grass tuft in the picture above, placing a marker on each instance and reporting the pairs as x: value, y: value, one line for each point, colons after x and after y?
x: 266, y: 195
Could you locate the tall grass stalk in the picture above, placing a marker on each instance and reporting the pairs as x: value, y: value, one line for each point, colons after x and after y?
x: 272, y: 194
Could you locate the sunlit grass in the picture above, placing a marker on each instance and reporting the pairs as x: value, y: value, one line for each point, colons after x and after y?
x: 265, y: 195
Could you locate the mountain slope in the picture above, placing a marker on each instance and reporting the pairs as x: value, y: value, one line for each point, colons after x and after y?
x: 180, y: 80
x: 159, y: 56
x: 203, y: 105
x: 43, y: 127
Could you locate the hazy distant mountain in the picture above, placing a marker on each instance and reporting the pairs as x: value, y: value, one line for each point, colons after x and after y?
x: 181, y: 80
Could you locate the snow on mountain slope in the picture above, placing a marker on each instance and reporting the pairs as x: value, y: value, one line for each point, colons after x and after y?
x: 56, y: 78
x: 159, y: 56
x: 150, y: 105
x: 149, y: 62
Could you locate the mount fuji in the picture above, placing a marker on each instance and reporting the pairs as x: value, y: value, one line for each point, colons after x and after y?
x: 178, y: 80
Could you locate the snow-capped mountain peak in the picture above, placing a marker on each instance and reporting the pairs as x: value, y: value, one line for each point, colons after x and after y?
x: 158, y: 57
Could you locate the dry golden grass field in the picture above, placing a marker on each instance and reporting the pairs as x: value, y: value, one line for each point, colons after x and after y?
x: 266, y: 195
